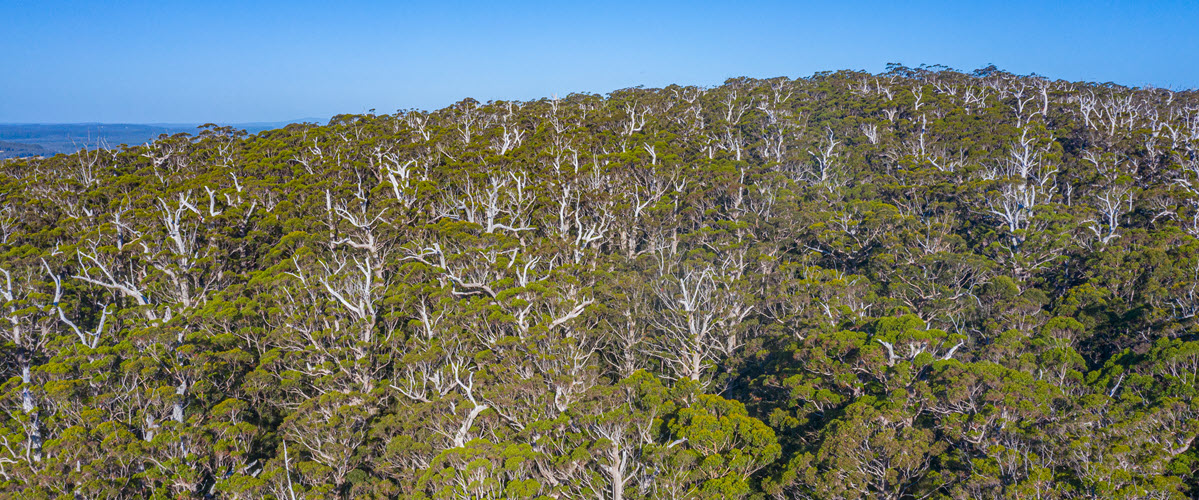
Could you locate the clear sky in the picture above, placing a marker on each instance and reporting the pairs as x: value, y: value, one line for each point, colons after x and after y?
x: 179, y: 62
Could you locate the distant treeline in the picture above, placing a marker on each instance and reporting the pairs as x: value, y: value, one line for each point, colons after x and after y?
x: 17, y: 150
x: 71, y: 137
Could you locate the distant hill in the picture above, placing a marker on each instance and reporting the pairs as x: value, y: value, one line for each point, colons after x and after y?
x: 70, y: 137
x: 16, y: 150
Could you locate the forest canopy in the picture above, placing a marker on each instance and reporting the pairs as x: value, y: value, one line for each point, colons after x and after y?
x: 915, y: 284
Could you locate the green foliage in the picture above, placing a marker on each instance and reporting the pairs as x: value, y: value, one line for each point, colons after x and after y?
x: 919, y: 284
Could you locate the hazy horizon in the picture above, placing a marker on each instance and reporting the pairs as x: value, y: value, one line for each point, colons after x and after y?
x: 173, y: 124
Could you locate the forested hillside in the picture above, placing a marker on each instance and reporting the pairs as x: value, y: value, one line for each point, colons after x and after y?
x: 918, y: 284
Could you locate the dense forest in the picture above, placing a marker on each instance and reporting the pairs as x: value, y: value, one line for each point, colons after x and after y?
x: 917, y: 284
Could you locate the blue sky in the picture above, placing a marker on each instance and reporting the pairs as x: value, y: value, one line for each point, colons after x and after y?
x: 229, y: 62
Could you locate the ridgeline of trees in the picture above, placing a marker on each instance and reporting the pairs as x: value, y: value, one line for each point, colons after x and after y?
x: 918, y: 284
